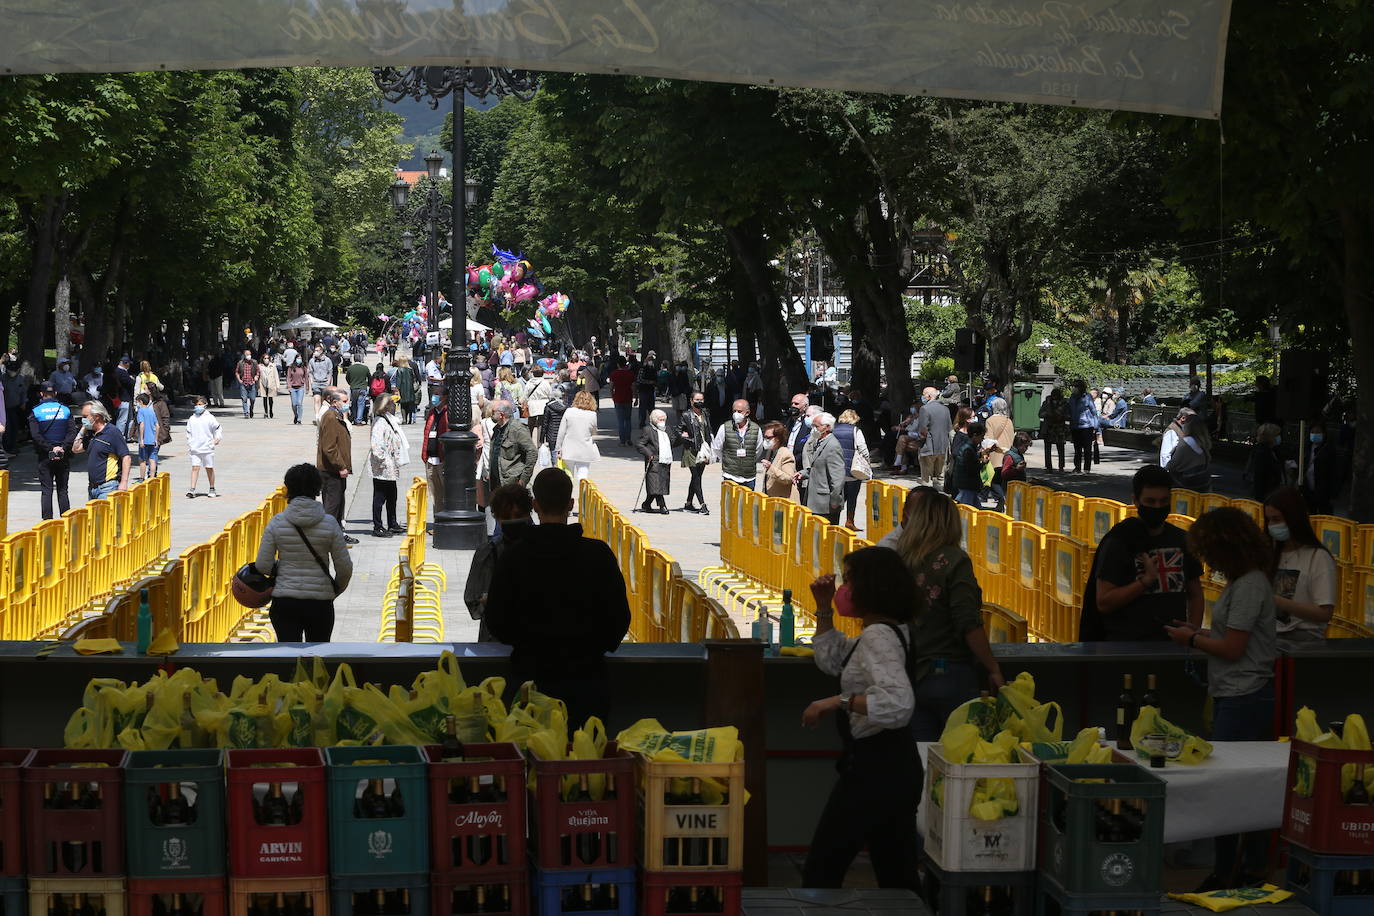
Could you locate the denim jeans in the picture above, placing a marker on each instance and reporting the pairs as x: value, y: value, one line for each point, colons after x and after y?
x: 248, y: 398
x: 938, y: 695
x: 297, y: 399
x: 105, y: 489
x: 622, y: 420
x: 359, y: 403
x: 1243, y: 718
x: 969, y: 498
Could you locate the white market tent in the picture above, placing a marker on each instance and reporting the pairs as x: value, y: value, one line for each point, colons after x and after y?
x: 446, y: 324
x: 307, y: 323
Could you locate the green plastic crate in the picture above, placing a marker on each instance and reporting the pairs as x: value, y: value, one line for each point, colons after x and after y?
x: 1082, y: 860
x: 193, y: 850
x: 388, y: 845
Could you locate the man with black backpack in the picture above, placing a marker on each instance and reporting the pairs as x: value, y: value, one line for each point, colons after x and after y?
x: 1143, y: 578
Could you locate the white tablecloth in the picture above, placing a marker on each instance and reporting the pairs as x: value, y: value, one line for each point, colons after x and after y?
x: 1239, y: 788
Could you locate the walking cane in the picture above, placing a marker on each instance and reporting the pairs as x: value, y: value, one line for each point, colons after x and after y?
x: 642, y: 481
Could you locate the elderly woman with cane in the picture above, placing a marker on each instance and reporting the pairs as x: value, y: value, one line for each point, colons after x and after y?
x: 657, y: 448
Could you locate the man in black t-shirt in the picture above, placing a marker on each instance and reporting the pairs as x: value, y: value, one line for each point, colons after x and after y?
x: 1144, y: 578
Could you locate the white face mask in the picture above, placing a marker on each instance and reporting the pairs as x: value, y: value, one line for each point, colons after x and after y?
x: 658, y: 424
x: 739, y: 417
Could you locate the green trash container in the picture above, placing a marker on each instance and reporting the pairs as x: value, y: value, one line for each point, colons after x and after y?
x: 1025, y: 405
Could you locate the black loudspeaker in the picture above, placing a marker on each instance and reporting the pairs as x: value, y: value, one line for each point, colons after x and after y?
x: 968, y: 351
x: 1302, y: 384
x: 822, y: 343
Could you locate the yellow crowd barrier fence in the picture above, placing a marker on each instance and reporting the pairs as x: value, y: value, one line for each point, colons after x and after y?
x: 62, y: 570
x: 412, y: 610
x: 4, y: 503
x: 664, y: 605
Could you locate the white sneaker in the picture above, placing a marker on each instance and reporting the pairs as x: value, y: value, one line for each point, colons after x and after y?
x: 212, y: 494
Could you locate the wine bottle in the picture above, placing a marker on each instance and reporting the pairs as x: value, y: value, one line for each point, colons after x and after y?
x: 451, y: 747
x: 589, y: 843
x: 372, y: 803
x: 1126, y: 710
x: 178, y: 907
x: 479, y: 849
x: 1151, y: 697
x: 274, y: 812
x: 188, y: 734
x: 49, y: 800
x: 479, y: 899
x: 279, y: 904
x: 297, y: 807
x: 176, y: 810
x: 396, y: 803
x: 696, y: 849
x: 379, y: 901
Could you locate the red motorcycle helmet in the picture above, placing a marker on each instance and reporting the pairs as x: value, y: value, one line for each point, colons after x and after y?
x: 251, y: 588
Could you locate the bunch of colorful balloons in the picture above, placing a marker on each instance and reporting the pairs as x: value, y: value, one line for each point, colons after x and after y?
x: 509, y: 280
x: 549, y: 307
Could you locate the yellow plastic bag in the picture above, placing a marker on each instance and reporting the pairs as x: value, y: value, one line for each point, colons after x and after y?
x: 994, y: 798
x: 1356, y: 738
x: 97, y: 647
x: 588, y: 743
x: 983, y: 713
x: 958, y: 742
x: 1222, y: 901
x: 1026, y: 718
x: 648, y: 736
x: 1192, y: 749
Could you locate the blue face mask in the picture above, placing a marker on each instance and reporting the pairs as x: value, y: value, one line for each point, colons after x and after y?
x: 200, y: 409
x: 1278, y: 440
x: 1315, y: 438
x: 433, y: 400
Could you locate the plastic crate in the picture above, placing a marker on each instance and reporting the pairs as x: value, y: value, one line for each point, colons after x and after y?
x: 401, y: 894
x: 1055, y: 901
x: 583, y: 835
x: 1073, y: 850
x: 695, y: 837
x: 199, y: 896
x: 12, y: 760
x: 457, y: 894
x: 81, y: 842
x: 105, y: 894
x: 300, y: 896
x: 14, y: 897
x: 462, y: 831
x: 1313, y: 878
x: 564, y: 891
x: 296, y: 849
x: 963, y: 893
x: 669, y: 893
x: 160, y: 850
x: 957, y: 841
x: 1323, y: 822
x: 396, y: 844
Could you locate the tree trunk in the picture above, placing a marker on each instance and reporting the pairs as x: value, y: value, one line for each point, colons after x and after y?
x: 864, y: 360
x: 119, y: 324
x: 677, y: 335
x: 62, y: 319
x: 43, y: 228
x: 782, y: 368
x: 1358, y: 293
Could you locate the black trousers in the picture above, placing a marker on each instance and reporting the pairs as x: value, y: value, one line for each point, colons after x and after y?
x: 332, y: 489
x: 52, y: 475
x: 1047, y: 455
x: 694, y: 485
x: 1084, y: 439
x: 267, y: 400
x: 873, y: 803
x: 383, y: 495
x: 302, y: 619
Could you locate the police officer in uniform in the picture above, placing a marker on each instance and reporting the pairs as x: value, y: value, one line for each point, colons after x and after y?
x: 53, y: 433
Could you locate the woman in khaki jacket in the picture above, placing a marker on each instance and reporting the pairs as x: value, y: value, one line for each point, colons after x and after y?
x: 780, y: 464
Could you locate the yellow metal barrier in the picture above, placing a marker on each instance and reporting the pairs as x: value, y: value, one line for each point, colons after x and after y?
x: 63, y: 570
x: 1003, y: 625
x: 1017, y: 493
x: 1186, y: 502
x: 4, y: 503
x: 1338, y: 534
x: 412, y: 609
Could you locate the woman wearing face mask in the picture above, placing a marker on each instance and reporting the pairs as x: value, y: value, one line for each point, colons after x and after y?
x: 1264, y: 468
x: 389, y: 454
x: 1304, y: 570
x: 1054, y: 426
x: 296, y: 380
x: 779, y: 463
x: 268, y: 384
x: 718, y: 399
x: 874, y: 800
x: 1324, y: 474
x: 656, y: 447
x: 695, y: 438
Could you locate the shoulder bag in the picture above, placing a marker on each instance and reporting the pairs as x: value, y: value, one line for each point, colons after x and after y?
x: 318, y: 559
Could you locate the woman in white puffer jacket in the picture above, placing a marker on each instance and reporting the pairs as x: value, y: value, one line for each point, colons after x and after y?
x: 299, y: 543
x: 389, y: 453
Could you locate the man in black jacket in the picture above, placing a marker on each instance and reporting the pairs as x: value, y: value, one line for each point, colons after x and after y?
x: 559, y: 633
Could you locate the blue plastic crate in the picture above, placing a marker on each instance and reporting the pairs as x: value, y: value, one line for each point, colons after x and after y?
x: 388, y: 845
x: 343, y: 892
x: 551, y: 889
x: 1055, y: 901
x: 14, y: 897
x: 1313, y: 879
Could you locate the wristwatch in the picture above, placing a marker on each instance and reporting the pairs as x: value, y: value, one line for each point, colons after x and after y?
x: 844, y: 701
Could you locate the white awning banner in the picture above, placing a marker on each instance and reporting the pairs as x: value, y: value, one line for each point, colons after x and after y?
x: 1141, y: 55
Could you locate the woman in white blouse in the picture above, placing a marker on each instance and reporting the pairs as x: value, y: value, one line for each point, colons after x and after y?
x: 874, y: 800
x: 1304, y: 570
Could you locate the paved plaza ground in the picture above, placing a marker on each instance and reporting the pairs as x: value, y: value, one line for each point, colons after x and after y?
x: 255, y: 453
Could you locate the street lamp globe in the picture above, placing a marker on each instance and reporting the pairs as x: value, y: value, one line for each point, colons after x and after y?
x: 407, y: 241
x: 470, y: 191
x: 432, y: 163
x: 399, y: 192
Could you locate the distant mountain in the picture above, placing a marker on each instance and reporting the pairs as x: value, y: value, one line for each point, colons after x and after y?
x: 424, y: 126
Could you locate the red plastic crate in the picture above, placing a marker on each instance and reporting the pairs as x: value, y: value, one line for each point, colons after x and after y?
x: 657, y: 895
x: 299, y: 895
x: 12, y: 759
x: 205, y: 896
x: 83, y: 842
x: 456, y: 826
x: 557, y: 825
x: 299, y: 850
x: 1323, y: 822
x: 444, y: 902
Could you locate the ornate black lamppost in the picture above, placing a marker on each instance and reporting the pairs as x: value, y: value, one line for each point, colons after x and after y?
x: 459, y: 526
